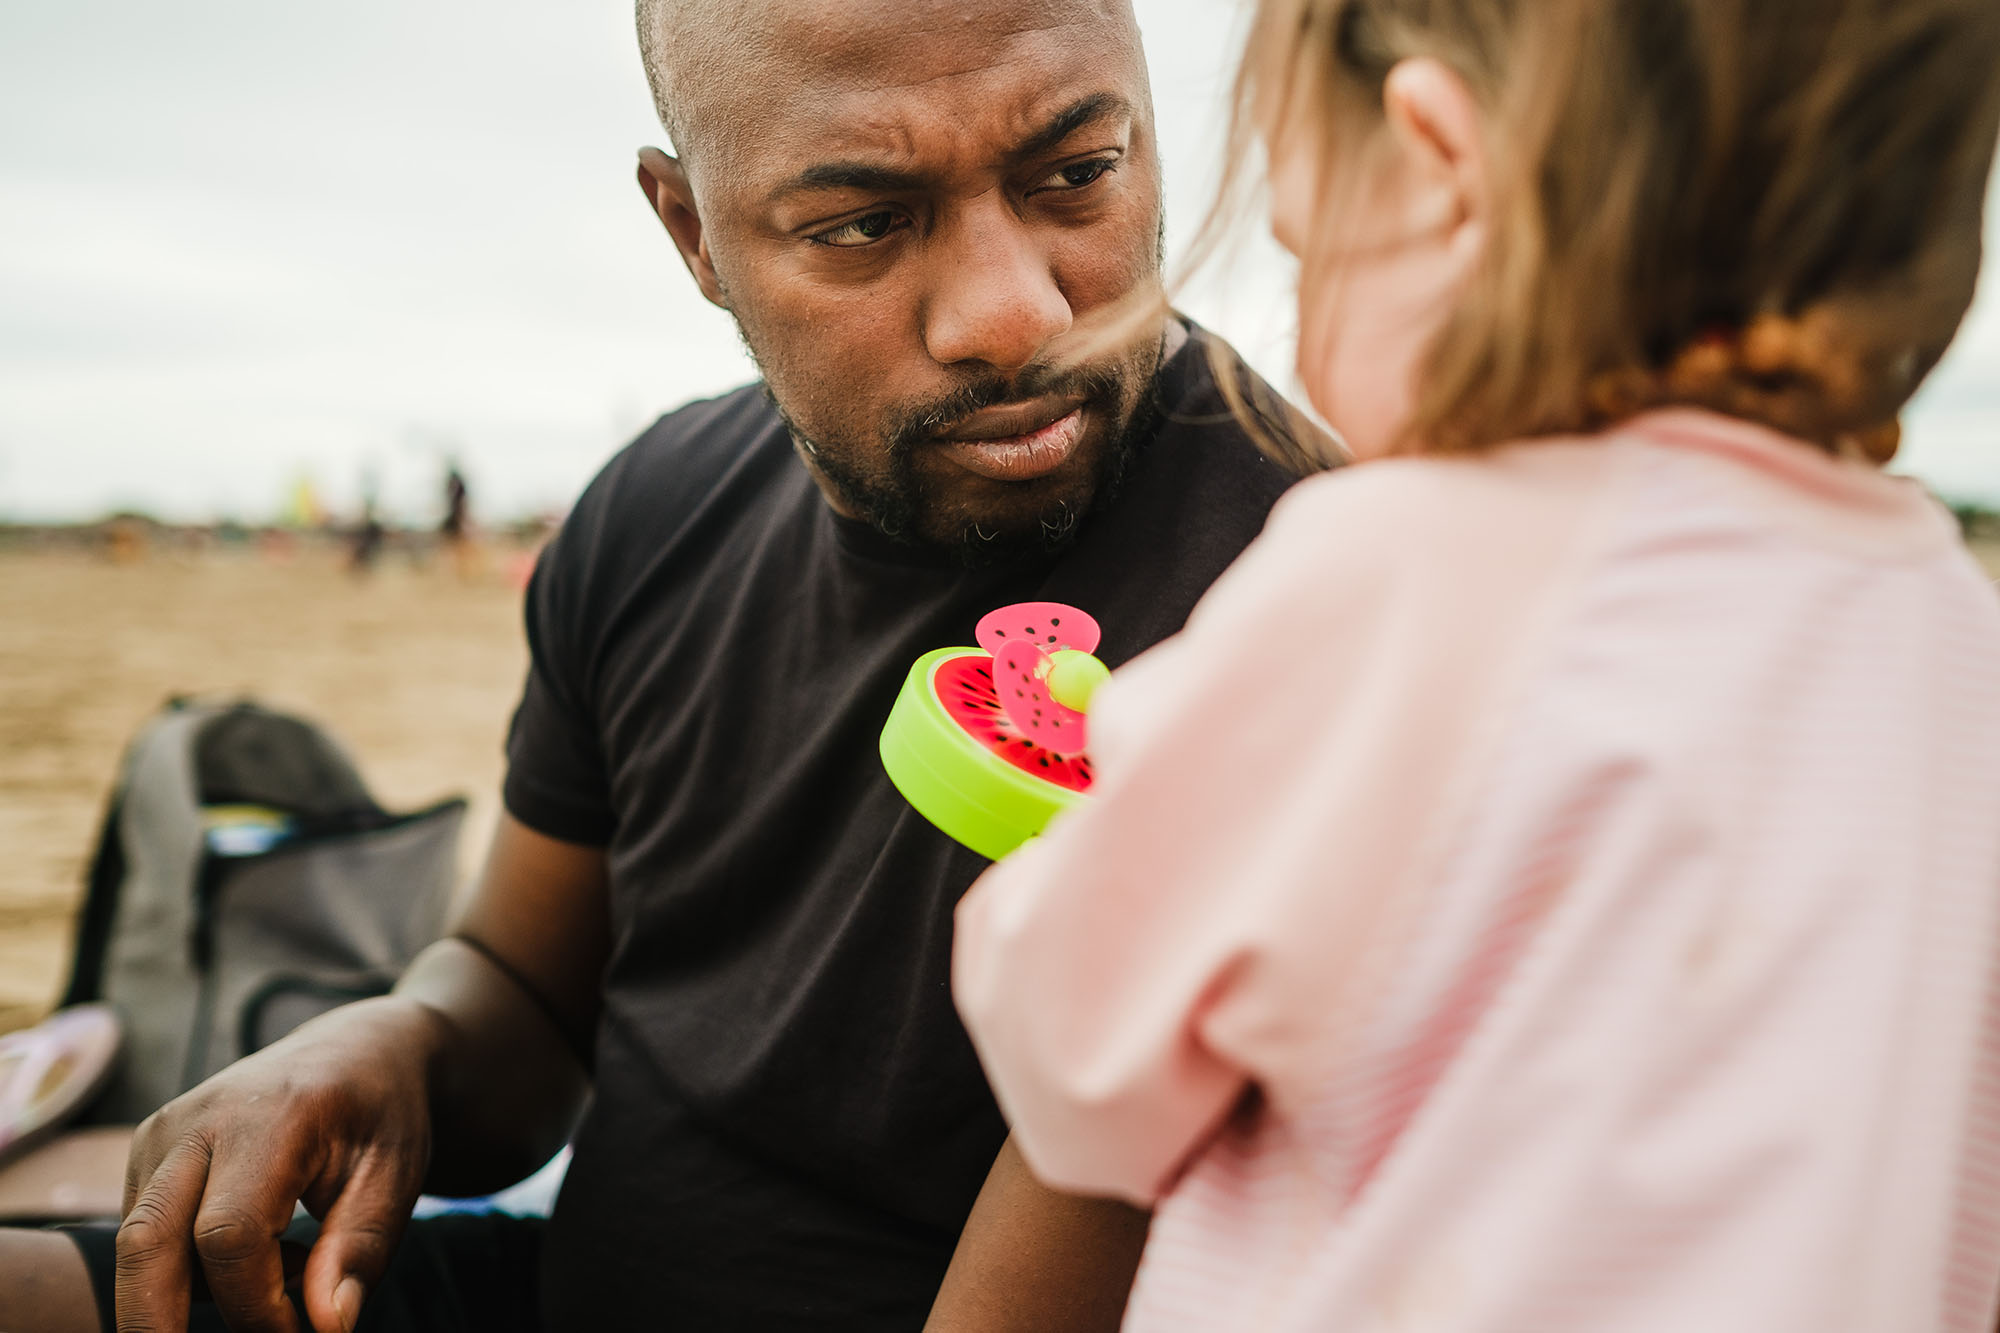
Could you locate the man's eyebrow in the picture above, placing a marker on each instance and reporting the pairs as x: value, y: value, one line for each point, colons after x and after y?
x: 874, y: 178
x: 1076, y: 116
x: 854, y: 176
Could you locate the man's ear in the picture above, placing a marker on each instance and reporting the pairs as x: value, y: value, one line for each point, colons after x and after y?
x: 666, y: 185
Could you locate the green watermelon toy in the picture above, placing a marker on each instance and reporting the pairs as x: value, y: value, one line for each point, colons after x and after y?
x: 988, y: 743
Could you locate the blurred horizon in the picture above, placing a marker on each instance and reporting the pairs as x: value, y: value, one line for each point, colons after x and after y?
x: 245, y: 245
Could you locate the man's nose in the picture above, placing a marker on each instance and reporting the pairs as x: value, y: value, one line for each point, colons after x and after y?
x: 994, y: 297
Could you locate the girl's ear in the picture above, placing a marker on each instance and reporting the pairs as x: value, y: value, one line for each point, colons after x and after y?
x: 1437, y: 127
x: 667, y: 189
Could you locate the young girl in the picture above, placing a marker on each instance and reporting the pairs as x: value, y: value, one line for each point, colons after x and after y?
x: 1554, y: 882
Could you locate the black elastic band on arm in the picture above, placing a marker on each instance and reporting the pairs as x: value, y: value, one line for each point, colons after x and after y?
x: 99, y: 1243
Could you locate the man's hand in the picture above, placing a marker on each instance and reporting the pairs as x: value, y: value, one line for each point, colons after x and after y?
x: 1034, y: 1261
x: 462, y: 1082
x: 336, y: 1116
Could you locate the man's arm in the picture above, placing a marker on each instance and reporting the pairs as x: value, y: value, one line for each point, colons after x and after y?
x: 517, y: 985
x: 1035, y: 1261
x: 467, y: 1077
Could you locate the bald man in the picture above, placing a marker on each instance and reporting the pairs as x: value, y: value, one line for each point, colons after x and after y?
x: 705, y: 910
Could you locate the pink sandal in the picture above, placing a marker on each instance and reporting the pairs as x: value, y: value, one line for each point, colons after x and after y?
x: 50, y: 1072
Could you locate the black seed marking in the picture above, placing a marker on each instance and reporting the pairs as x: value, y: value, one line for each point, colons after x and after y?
x: 1052, y: 638
x: 1045, y: 763
x: 1055, y: 620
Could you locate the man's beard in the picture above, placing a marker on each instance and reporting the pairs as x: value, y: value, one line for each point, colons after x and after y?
x: 898, y: 500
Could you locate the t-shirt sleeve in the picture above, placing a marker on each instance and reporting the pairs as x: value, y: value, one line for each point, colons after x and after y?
x: 557, y: 781
x: 1270, y: 785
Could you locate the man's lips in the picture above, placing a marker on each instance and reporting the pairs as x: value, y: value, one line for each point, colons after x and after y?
x: 1018, y: 441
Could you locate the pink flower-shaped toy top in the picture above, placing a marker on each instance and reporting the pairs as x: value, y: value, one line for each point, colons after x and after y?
x: 1049, y: 625
x: 1021, y: 677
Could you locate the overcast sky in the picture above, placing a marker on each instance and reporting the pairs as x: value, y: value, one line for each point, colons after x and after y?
x: 244, y: 241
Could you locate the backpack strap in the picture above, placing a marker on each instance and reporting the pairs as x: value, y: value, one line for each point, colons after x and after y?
x: 106, y: 877
x: 100, y: 909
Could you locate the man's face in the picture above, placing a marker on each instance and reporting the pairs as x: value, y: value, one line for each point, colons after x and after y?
x: 920, y: 212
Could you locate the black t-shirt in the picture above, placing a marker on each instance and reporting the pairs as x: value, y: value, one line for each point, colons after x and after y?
x: 789, y: 1125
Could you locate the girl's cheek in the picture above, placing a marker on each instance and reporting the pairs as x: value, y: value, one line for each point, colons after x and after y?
x: 1358, y: 354
x: 1296, y: 190
x: 1373, y: 287
x: 1291, y: 206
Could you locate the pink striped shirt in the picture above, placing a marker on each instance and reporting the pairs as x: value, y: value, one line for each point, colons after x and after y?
x: 1545, y: 892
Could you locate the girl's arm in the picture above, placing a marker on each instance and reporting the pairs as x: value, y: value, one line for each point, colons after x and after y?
x: 1271, y: 783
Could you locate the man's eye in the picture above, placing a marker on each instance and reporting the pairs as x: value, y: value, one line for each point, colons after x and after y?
x: 1079, y: 174
x: 864, y: 230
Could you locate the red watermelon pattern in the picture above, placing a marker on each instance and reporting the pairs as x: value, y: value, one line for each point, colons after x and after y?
x: 965, y: 686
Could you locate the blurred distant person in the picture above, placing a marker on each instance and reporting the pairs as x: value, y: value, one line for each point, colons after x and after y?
x: 456, y: 529
x: 457, y: 510
x: 365, y: 547
x: 705, y: 905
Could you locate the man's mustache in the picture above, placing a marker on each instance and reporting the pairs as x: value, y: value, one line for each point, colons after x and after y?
x: 925, y: 422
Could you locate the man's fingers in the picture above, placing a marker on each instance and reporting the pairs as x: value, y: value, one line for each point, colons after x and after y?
x: 236, y: 1236
x: 357, y: 1236
x: 245, y: 1207
x: 155, y: 1270
x: 141, y: 1160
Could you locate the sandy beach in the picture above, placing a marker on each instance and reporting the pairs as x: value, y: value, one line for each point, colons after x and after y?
x: 415, y: 670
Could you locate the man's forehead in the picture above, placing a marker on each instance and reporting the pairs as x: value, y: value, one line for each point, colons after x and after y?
x: 1016, y: 122
x: 896, y: 79
x: 890, y: 43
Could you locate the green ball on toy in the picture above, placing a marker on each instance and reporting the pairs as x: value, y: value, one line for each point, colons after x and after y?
x: 1074, y: 678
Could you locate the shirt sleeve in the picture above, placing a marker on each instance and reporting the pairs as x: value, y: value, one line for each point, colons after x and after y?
x: 1270, y: 783
x: 557, y: 781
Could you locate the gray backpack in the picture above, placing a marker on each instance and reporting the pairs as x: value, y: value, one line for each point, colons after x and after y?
x: 244, y: 882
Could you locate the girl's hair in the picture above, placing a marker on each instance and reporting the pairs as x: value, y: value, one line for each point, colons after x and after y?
x: 1771, y: 208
